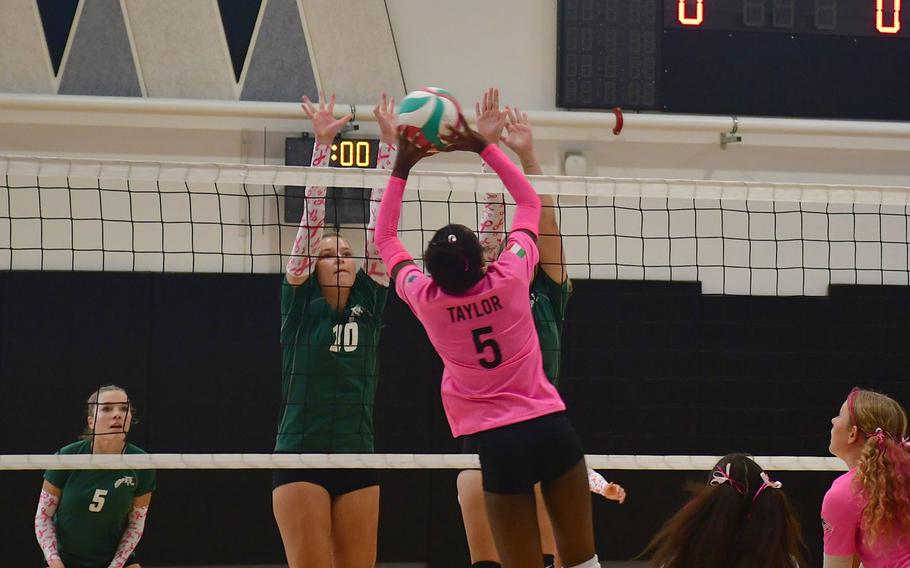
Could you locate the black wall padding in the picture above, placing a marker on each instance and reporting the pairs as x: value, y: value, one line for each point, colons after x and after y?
x: 650, y: 368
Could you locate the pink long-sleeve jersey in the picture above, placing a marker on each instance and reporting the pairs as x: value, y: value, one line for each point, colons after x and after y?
x: 486, y: 337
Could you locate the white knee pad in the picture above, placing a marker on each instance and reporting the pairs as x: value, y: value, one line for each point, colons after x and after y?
x: 592, y: 562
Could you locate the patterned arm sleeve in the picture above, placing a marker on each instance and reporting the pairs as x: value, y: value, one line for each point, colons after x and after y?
x: 527, y: 210
x: 390, y: 248
x: 492, y: 222
x: 375, y: 268
x: 45, y: 531
x: 312, y: 223
x: 131, y: 535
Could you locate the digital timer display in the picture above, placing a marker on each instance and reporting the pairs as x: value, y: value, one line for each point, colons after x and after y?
x: 845, y: 59
x: 344, y: 205
x: 354, y: 154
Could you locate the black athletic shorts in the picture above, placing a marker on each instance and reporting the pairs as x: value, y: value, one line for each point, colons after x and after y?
x: 515, y: 457
x: 335, y: 481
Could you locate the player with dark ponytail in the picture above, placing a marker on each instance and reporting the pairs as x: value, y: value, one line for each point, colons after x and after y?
x: 494, y: 389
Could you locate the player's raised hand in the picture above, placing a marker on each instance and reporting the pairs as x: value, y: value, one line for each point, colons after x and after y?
x: 409, y: 153
x: 325, y: 125
x: 490, y: 120
x: 384, y: 111
x: 519, y: 137
x: 463, y: 138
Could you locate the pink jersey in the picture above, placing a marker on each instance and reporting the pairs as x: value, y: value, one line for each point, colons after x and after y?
x: 842, y: 514
x: 486, y: 337
x: 488, y: 342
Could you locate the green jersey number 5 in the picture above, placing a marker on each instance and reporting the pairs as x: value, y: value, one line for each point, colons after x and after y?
x: 97, y: 501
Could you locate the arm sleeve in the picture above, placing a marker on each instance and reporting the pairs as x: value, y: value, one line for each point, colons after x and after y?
x: 45, y: 531
x: 305, y: 251
x: 597, y: 483
x: 375, y: 268
x: 391, y: 249
x: 492, y: 222
x: 135, y: 526
x: 527, y: 211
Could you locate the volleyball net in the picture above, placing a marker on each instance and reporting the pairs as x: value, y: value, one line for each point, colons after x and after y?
x: 687, y: 293
x: 707, y: 316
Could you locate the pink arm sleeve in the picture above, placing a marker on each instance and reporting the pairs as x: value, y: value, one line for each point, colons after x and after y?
x: 375, y: 268
x: 131, y: 535
x: 305, y: 250
x: 45, y: 531
x: 527, y: 212
x: 390, y: 247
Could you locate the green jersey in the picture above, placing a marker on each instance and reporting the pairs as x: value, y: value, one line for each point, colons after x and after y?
x: 548, y: 306
x: 94, y: 507
x: 330, y: 366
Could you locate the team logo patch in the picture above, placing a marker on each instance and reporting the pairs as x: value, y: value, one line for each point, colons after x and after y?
x: 517, y: 250
x: 410, y: 279
x: 826, y: 526
x: 357, y: 311
x: 129, y: 481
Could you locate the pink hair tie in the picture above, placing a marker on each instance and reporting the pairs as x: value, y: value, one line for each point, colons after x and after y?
x: 879, y: 435
x: 766, y: 483
x: 720, y: 476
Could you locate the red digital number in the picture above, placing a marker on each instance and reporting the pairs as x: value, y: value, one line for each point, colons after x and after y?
x: 880, y: 17
x: 686, y: 20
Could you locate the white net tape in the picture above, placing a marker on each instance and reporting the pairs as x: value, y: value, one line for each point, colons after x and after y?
x: 470, y: 182
x: 381, y: 461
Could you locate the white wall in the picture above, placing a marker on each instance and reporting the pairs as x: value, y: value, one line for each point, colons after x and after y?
x: 470, y: 45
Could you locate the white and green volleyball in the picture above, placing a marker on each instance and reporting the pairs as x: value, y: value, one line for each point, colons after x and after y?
x: 424, y: 114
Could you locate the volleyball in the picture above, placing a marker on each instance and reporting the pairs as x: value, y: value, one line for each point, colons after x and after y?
x: 424, y: 115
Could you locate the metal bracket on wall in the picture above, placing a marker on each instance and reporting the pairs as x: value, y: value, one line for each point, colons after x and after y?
x: 352, y: 125
x: 730, y: 137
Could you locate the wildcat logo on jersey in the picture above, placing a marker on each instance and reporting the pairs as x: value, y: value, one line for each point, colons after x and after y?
x: 533, y: 299
x: 129, y: 481
x: 357, y: 311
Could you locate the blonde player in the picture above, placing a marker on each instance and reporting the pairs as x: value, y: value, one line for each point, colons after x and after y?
x: 95, y: 518
x: 866, y: 513
x: 331, y: 319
